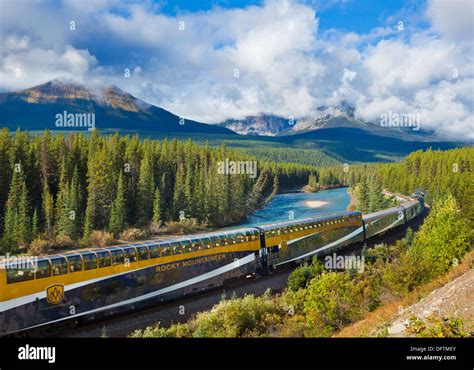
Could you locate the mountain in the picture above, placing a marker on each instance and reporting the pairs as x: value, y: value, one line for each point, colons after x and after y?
x: 356, y: 144
x: 262, y: 125
x: 61, y: 104
x: 324, y: 118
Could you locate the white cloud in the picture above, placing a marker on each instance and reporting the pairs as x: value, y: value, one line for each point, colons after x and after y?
x: 285, y: 66
x: 453, y: 19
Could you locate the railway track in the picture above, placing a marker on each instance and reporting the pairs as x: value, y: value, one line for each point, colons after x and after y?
x: 183, y: 309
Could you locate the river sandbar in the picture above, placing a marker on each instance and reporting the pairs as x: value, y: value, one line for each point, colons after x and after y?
x: 315, y: 203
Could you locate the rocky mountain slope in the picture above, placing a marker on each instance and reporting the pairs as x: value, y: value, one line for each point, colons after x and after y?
x: 37, y: 108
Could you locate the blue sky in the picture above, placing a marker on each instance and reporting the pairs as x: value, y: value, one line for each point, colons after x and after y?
x: 359, y: 16
x: 214, y: 60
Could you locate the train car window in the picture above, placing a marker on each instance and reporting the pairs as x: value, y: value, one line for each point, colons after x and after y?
x: 142, y: 253
x: 155, y: 251
x: 117, y: 257
x: 165, y: 250
x: 75, y: 263
x: 176, y: 247
x: 196, y: 245
x: 206, y: 242
x: 131, y: 254
x: 90, y: 261
x: 240, y: 237
x: 17, y: 273
x: 43, y: 269
x: 187, y: 246
x: 59, y: 266
x: 214, y: 242
x: 224, y: 240
x: 247, y: 236
x: 104, y: 259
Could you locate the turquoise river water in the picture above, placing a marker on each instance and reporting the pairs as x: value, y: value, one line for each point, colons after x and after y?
x: 298, y: 205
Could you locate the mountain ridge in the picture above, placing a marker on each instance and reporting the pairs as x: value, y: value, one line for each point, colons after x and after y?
x: 324, y: 118
x: 112, y: 108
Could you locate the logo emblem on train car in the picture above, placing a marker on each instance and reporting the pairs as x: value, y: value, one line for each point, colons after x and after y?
x: 55, y: 293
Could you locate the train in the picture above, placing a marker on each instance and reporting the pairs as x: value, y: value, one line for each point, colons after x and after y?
x: 91, y: 284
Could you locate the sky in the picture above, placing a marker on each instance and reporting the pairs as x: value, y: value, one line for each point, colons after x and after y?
x: 214, y: 60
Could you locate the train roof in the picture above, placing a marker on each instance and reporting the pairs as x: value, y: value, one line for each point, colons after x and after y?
x: 388, y: 211
x: 329, y: 216
x: 148, y: 243
x: 384, y: 212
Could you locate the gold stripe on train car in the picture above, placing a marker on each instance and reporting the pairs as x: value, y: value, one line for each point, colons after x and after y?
x: 23, y: 288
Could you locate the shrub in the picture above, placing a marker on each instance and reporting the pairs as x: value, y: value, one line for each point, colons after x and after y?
x: 301, y: 276
x: 368, y: 287
x: 133, y: 234
x: 188, y: 225
x: 385, y: 253
x: 443, y: 239
x: 294, y: 300
x: 296, y: 326
x: 435, y: 327
x: 155, y: 227
x: 332, y: 301
x: 249, y: 316
x: 404, y: 274
x: 63, y: 242
x: 40, y: 247
x: 102, y: 238
x: 174, y: 331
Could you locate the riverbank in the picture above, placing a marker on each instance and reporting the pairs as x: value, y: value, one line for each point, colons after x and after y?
x: 354, y: 202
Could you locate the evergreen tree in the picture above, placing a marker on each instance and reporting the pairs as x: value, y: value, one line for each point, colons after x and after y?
x: 48, y: 210
x: 364, y: 195
x: 61, y: 200
x: 157, y: 207
x: 146, y: 188
x: 35, y: 225
x: 117, y: 214
x: 24, y: 223
x: 89, y: 216
x: 74, y: 206
x: 12, y: 234
x: 376, y: 198
x: 179, y: 196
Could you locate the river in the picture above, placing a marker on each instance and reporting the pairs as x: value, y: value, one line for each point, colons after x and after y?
x: 298, y: 205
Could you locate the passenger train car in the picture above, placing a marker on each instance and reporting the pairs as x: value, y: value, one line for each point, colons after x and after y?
x: 98, y: 282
